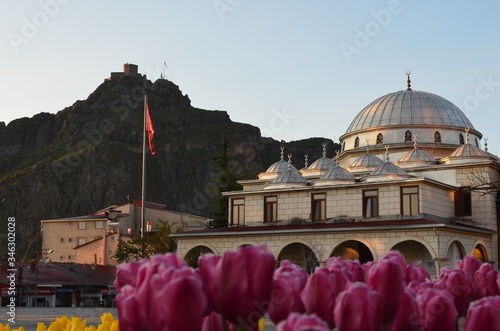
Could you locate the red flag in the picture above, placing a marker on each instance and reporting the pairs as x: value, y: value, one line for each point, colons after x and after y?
x: 150, y: 129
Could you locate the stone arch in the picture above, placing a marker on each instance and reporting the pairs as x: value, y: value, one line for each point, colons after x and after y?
x: 198, y: 244
x: 299, y: 252
x: 192, y: 254
x: 417, y: 249
x: 364, y: 253
x: 454, y: 252
x: 246, y: 243
x: 479, y: 251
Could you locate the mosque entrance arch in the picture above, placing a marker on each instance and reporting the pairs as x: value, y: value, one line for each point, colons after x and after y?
x: 416, y: 251
x: 299, y: 254
x: 353, y: 250
x: 455, y: 253
x: 480, y: 253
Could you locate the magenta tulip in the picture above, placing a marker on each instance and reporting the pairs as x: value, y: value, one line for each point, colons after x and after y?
x: 470, y: 265
x: 387, y: 277
x: 297, y: 322
x: 167, y: 296
x: 239, y: 284
x: 483, y: 314
x: 358, y: 308
x: 456, y: 283
x: 407, y: 317
x: 485, y: 282
x: 415, y: 273
x: 348, y: 270
x: 126, y: 273
x: 436, y: 310
x: 320, y: 293
x: 213, y: 322
x: 288, y: 283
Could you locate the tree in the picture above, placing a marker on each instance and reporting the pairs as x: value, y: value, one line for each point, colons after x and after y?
x: 226, y: 181
x: 159, y: 242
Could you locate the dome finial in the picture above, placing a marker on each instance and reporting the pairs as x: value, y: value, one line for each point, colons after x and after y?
x: 289, y: 161
x: 387, y: 153
x: 415, y: 140
x: 467, y: 136
x: 486, y: 144
x: 306, y: 164
x: 337, y: 152
x: 324, y: 149
x: 282, y: 149
x: 367, y: 145
x: 408, y: 82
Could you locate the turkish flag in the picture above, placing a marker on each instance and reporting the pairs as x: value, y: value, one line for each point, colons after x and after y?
x: 150, y: 129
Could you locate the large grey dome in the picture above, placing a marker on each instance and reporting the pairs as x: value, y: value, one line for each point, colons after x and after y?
x: 408, y: 108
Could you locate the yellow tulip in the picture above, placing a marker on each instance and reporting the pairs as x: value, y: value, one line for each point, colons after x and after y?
x: 41, y: 327
x: 90, y: 328
x: 5, y: 327
x: 261, y: 324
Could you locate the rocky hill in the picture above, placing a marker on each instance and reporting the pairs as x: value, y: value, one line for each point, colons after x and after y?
x: 88, y: 156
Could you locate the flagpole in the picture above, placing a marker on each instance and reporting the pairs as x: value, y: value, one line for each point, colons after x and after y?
x: 143, y: 209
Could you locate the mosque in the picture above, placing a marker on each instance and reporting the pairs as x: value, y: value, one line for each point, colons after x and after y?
x: 410, y: 177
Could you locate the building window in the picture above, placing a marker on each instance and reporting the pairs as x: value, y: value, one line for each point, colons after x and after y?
x: 62, y: 240
x: 461, y: 139
x: 370, y: 203
x: 356, y: 142
x: 70, y: 223
x: 61, y: 257
x: 82, y: 225
x: 270, y: 209
x: 343, y: 146
x: 99, y: 225
x: 69, y: 257
x: 70, y: 240
x: 408, y: 136
x: 380, y: 139
x: 437, y: 137
x: 463, y: 202
x: 477, y: 142
x: 81, y: 241
x: 409, y: 200
x: 318, y: 207
x: 112, y: 238
x: 237, y: 211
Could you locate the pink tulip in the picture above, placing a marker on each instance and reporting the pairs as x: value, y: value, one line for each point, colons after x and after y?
x: 485, y: 282
x: 213, y: 322
x: 436, y: 310
x: 470, y: 265
x: 415, y: 273
x: 126, y: 273
x: 167, y: 296
x: 407, y: 317
x: 320, y: 293
x: 358, y: 308
x: 456, y: 283
x: 288, y: 282
x: 349, y: 270
x: 297, y: 322
x: 387, y: 277
x: 239, y: 284
x: 483, y: 314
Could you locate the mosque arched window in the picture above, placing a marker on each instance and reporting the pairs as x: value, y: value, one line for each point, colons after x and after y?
x: 461, y: 139
x: 437, y: 137
x: 343, y: 146
x: 380, y: 139
x: 408, y: 136
x: 477, y: 142
x: 356, y: 142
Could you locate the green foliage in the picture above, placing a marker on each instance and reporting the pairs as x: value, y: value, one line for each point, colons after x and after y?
x: 158, y: 242
x: 226, y: 181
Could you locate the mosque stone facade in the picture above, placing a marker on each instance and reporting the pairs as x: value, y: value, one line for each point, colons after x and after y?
x: 410, y: 177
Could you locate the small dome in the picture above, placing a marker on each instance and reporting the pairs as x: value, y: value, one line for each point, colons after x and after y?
x: 323, y: 163
x: 387, y: 170
x: 336, y: 175
x: 367, y: 160
x: 276, y: 168
x: 289, y: 178
x: 469, y: 150
x: 416, y: 155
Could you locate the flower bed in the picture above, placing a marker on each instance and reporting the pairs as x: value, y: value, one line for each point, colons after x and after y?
x: 108, y: 323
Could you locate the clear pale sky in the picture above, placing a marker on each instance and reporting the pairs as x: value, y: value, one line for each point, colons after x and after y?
x: 295, y: 69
